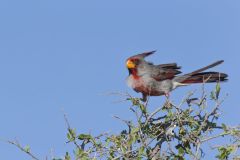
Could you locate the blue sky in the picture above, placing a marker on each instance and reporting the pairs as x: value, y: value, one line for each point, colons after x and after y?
x: 57, y: 54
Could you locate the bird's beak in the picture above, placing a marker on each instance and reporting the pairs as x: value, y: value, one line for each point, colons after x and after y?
x: 130, y: 64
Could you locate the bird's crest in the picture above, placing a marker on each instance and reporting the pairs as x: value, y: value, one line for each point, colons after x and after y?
x: 143, y: 55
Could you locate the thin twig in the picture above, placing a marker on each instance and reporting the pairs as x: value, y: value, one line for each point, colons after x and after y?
x: 216, y: 136
x: 18, y: 145
x: 70, y: 131
x: 152, y: 114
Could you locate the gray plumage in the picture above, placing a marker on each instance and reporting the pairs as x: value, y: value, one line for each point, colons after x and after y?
x: 156, y: 80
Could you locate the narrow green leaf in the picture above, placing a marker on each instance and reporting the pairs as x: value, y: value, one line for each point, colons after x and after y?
x: 224, y: 127
x: 218, y: 88
x: 84, y: 137
x: 27, y: 149
x: 67, y: 156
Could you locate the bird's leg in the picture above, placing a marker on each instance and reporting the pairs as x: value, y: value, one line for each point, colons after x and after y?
x: 168, y: 104
x: 167, y: 95
x: 144, y: 98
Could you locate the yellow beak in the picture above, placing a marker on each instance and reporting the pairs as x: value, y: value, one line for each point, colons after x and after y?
x: 130, y: 64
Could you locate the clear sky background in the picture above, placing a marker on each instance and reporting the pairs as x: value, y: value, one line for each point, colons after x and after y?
x: 58, y: 54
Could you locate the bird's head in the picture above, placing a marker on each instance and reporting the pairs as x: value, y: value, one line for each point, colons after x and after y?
x: 134, y: 61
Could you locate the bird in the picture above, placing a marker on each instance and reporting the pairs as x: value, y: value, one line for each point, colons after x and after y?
x: 158, y: 80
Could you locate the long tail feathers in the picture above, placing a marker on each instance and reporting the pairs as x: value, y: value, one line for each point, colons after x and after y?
x: 207, y: 67
x: 199, y: 76
x: 206, y: 77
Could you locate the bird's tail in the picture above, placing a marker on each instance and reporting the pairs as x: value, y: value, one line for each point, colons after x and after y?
x: 206, y: 77
x: 199, y: 76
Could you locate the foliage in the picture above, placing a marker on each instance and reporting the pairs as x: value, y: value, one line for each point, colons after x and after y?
x: 174, y: 132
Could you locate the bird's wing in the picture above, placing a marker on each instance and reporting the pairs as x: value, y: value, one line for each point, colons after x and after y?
x: 169, y: 66
x: 165, y: 71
